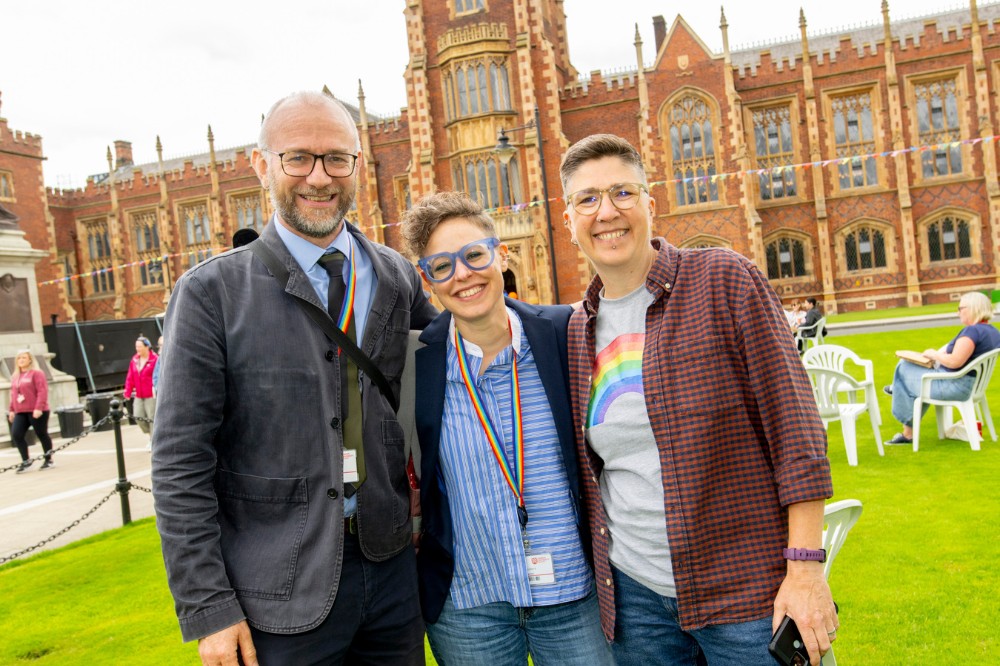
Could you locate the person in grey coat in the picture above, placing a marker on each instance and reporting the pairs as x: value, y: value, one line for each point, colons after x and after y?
x: 283, y: 539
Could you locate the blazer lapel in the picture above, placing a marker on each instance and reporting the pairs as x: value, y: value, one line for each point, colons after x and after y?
x: 431, y: 376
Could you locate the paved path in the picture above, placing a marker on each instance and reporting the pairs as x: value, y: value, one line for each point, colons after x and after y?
x: 38, y: 503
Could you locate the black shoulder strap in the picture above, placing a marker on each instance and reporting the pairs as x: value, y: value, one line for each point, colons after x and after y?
x: 322, y: 318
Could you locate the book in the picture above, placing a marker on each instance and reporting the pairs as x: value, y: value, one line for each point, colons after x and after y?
x: 915, y: 357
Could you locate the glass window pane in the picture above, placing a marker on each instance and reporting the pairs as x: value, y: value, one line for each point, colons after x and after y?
x: 484, y: 100
x: 493, y: 185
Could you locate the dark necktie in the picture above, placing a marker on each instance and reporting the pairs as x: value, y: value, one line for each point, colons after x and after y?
x: 350, y: 412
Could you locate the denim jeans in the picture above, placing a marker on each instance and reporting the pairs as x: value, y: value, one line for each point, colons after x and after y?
x: 648, y: 633
x: 906, y: 387
x: 499, y: 634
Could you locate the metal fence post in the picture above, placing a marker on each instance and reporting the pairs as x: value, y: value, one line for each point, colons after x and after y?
x: 123, y: 484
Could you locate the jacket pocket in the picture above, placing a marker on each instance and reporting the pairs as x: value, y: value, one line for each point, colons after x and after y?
x: 262, y: 521
x: 392, y: 449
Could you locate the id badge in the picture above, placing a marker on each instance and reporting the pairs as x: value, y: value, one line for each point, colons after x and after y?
x: 20, y: 397
x: 351, y: 466
x: 540, y: 569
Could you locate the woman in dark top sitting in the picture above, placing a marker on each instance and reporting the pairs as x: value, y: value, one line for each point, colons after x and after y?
x: 976, y: 338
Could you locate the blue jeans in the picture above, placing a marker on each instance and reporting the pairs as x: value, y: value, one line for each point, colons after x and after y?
x: 906, y: 387
x: 499, y: 634
x: 648, y: 633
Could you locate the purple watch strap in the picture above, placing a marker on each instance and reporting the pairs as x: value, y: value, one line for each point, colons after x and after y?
x: 804, y: 554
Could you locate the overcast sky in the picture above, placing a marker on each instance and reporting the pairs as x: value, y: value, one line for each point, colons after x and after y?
x: 83, y: 74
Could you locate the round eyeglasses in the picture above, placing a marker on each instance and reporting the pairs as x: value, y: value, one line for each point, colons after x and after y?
x: 477, y: 256
x: 621, y: 195
x: 300, y: 164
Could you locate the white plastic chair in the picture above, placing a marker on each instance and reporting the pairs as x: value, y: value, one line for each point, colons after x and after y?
x: 828, y: 385
x: 816, y: 339
x: 839, y: 518
x: 976, y: 407
x: 835, y: 357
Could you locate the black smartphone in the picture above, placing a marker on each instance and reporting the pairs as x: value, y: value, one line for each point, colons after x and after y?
x: 786, y: 645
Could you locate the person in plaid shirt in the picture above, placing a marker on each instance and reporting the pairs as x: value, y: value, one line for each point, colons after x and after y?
x: 702, y: 452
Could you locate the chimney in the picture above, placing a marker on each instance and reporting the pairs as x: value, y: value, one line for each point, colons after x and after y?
x: 659, y: 31
x: 123, y: 154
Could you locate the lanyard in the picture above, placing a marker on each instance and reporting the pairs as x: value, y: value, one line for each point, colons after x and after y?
x: 351, y: 282
x: 514, y: 476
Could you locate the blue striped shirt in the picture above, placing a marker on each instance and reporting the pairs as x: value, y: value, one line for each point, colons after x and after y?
x: 489, y: 553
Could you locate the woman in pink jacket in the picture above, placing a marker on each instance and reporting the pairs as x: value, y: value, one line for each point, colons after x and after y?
x: 139, y: 381
x: 29, y: 407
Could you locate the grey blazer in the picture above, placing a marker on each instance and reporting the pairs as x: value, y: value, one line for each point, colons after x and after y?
x: 247, y: 452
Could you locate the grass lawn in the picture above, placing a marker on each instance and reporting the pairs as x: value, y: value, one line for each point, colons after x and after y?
x: 893, y: 313
x: 916, y: 581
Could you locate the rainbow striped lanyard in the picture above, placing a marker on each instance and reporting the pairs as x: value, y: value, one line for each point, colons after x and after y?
x: 514, y: 476
x: 351, y: 281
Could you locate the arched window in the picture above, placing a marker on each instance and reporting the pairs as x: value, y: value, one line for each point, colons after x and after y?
x: 692, y: 150
x: 480, y: 88
x: 487, y: 180
x: 786, y: 258
x: 948, y: 239
x: 99, y: 249
x: 864, y: 249
x: 774, y: 150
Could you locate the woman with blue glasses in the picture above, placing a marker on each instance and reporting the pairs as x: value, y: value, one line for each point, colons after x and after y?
x: 501, y: 567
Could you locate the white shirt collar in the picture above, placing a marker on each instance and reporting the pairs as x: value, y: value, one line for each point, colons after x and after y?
x: 475, y: 350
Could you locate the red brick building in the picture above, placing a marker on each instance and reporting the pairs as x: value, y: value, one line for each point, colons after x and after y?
x: 859, y: 167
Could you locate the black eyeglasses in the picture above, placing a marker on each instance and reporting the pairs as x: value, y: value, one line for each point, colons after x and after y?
x: 621, y: 195
x: 477, y: 256
x: 299, y: 164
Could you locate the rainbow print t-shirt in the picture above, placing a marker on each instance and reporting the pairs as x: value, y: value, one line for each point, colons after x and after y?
x: 617, y: 372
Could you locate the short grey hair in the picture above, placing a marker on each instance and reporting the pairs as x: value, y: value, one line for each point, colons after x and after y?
x: 313, y: 98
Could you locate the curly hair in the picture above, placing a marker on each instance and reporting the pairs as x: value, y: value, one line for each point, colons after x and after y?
x: 420, y: 221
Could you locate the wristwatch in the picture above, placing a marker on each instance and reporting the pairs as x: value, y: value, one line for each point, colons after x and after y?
x: 804, y: 554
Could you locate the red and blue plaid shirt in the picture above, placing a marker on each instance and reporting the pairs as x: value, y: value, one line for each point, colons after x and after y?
x: 736, y: 426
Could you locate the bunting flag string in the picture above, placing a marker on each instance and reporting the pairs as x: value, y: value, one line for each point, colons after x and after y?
x: 778, y: 170
x: 714, y: 179
x: 145, y: 262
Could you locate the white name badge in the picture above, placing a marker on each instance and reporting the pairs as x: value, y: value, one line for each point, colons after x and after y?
x: 350, y: 466
x: 540, y: 569
x: 20, y: 397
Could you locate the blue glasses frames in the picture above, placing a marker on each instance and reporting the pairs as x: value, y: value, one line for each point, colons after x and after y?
x: 477, y: 256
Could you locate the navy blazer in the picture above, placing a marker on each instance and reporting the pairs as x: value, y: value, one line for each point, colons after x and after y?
x: 545, y: 328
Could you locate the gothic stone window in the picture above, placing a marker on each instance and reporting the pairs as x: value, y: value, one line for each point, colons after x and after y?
x: 864, y: 248
x: 196, y: 231
x: 774, y: 149
x: 247, y: 208
x: 467, y: 6
x: 786, y: 257
x: 938, y: 113
x: 99, y: 256
x: 692, y: 150
x: 487, y: 180
x: 6, y: 186
x: 948, y: 238
x: 146, y: 233
x: 854, y: 135
x: 476, y: 86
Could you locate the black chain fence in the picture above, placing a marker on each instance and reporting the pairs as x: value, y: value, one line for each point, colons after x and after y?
x: 123, y: 486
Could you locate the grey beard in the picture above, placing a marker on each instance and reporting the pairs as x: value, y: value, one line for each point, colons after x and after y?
x: 313, y: 228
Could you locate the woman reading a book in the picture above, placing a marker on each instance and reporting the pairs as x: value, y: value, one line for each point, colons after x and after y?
x: 976, y: 338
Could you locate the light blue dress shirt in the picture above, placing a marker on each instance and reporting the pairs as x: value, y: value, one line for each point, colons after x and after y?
x: 307, y: 255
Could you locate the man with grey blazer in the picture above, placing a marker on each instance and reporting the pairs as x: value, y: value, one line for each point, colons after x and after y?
x: 283, y: 511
